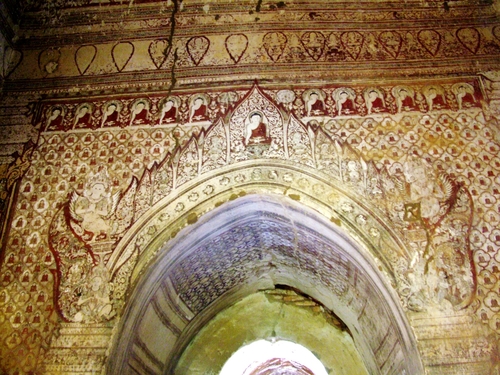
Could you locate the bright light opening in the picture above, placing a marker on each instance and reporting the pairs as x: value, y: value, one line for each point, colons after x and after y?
x: 264, y: 357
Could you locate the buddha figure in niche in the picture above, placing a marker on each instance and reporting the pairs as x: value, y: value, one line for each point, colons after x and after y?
x: 344, y: 101
x: 198, y: 110
x: 83, y: 116
x: 404, y: 98
x: 55, y: 119
x: 111, y: 114
x: 464, y: 94
x: 435, y: 97
x: 315, y: 105
x: 168, y: 112
x: 256, y: 129
x: 374, y: 100
x: 139, y: 113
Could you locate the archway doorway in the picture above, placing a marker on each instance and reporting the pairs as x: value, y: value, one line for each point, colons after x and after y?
x: 250, y: 244
x: 268, y: 356
x: 277, y: 331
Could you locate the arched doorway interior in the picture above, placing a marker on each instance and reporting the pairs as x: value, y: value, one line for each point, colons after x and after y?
x: 265, y: 356
x: 250, y: 244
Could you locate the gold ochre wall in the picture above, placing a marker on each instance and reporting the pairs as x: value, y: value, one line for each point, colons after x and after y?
x: 118, y: 121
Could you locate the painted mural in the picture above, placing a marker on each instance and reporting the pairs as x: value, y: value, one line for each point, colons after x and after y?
x: 409, y: 150
x: 118, y: 119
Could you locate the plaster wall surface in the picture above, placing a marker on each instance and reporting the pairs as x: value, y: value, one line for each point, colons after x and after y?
x: 122, y: 124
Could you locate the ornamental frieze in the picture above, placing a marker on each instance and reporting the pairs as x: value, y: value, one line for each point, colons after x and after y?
x: 313, y: 104
x: 351, y: 52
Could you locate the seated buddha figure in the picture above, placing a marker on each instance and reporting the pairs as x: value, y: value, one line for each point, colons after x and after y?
x: 139, y: 113
x: 110, y: 115
x: 315, y: 105
x: 55, y: 119
x: 198, y: 111
x: 256, y: 130
x: 168, y: 112
x: 83, y: 116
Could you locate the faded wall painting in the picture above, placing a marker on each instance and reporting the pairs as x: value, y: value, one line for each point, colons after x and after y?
x: 123, y: 124
x: 411, y: 161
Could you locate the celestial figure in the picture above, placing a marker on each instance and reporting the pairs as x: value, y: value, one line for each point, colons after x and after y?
x: 353, y: 171
x: 55, y: 119
x: 315, y: 105
x: 423, y: 188
x: 198, y: 110
x: 83, y: 116
x: 216, y: 145
x: 315, y: 40
x: 168, y: 112
x: 274, y: 43
x: 256, y: 130
x: 111, y: 114
x: 92, y: 210
x: 298, y: 145
x: 313, y: 43
x: 139, y: 113
x: 95, y: 301
x: 374, y: 100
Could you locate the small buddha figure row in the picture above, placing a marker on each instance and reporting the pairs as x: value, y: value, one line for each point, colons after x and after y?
x: 113, y: 114
x: 375, y: 100
x: 345, y: 101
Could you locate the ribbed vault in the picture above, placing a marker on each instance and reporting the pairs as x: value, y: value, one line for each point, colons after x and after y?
x: 250, y: 244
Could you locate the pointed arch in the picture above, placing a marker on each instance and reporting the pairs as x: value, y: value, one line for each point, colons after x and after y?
x: 252, y: 243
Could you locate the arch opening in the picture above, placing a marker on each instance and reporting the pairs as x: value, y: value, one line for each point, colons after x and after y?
x: 264, y: 357
x: 254, y: 243
x: 272, y: 332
